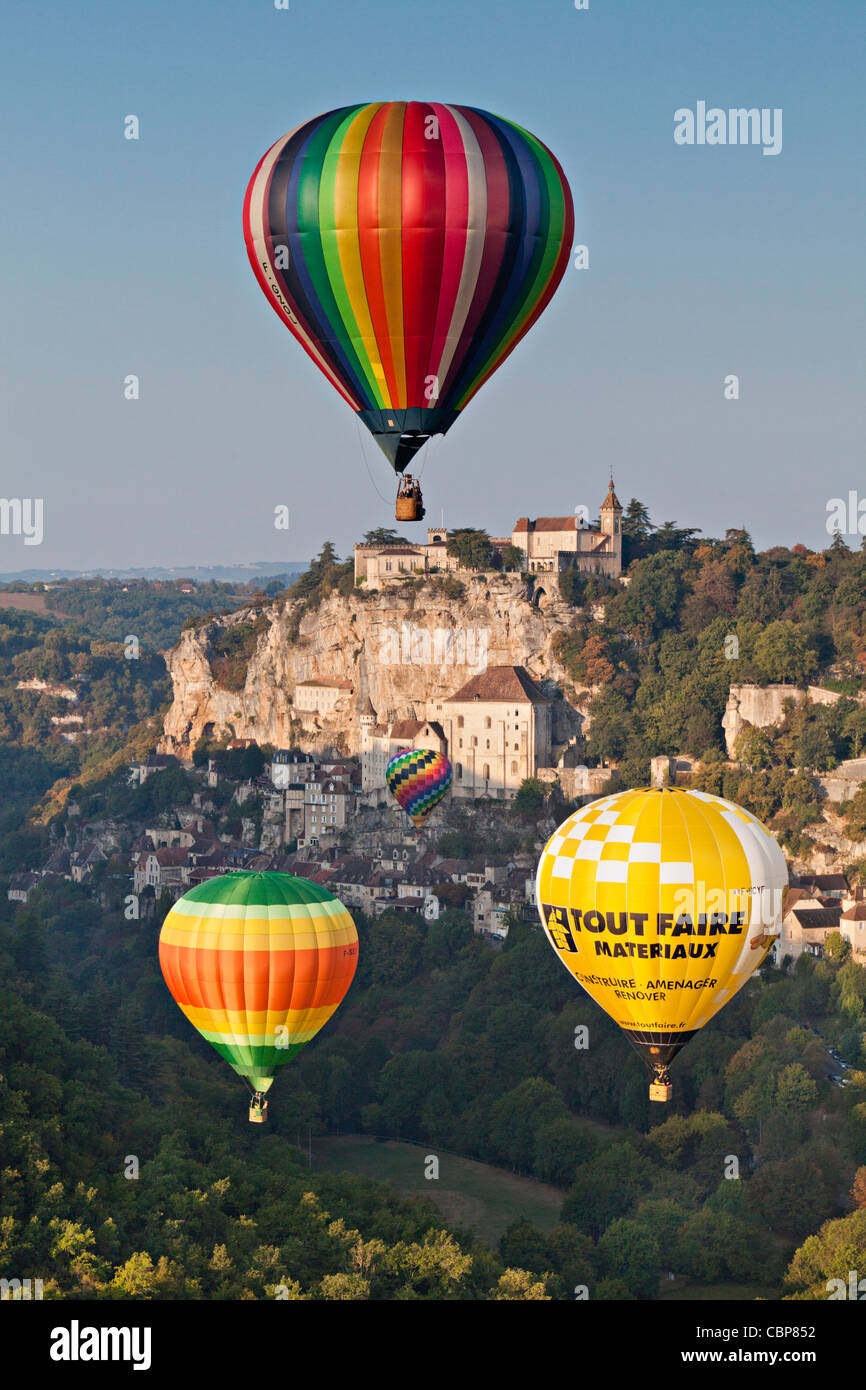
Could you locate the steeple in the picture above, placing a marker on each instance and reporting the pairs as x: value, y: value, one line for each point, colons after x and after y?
x: 611, y: 523
x: 611, y: 502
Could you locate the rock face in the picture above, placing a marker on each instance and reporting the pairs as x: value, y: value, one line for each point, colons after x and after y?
x: 762, y: 705
x: 398, y: 648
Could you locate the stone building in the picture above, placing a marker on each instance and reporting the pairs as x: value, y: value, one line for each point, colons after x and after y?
x: 321, y: 696
x: 380, y: 743
x: 552, y: 544
x: 818, y: 905
x: 377, y: 563
x: 328, y: 802
x: 498, y: 729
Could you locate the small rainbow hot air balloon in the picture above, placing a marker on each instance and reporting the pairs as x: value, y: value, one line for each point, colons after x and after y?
x: 418, y: 778
x: 258, y: 962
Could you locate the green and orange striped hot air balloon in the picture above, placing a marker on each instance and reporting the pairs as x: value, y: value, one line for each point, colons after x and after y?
x: 258, y: 962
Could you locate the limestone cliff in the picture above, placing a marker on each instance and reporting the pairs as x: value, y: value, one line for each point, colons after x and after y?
x: 401, y: 647
x: 763, y: 705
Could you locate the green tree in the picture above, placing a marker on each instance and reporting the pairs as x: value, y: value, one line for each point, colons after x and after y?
x: 471, y: 547
x: 629, y: 1252
x: 782, y: 653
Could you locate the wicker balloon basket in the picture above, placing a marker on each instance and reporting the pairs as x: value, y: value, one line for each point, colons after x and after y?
x: 408, y: 509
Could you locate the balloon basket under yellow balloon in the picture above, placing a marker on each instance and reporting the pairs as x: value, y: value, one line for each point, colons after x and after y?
x: 659, y: 1091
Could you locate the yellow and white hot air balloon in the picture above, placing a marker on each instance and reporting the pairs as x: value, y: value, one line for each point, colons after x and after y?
x: 661, y: 903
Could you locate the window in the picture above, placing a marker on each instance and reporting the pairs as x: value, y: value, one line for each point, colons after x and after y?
x: 460, y: 721
x: 514, y: 767
x: 487, y: 743
x: 459, y: 772
x: 474, y: 741
x: 485, y: 772
x: 487, y: 724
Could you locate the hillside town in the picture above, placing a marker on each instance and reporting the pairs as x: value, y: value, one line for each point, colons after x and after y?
x: 331, y: 821
x: 293, y: 818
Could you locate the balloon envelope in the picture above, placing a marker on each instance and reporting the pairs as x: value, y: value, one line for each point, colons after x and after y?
x: 408, y: 246
x: 258, y: 962
x: 418, y: 778
x: 661, y: 903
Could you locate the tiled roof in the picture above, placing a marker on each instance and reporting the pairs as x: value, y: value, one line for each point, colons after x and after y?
x: 510, y: 684
x: 407, y: 728
x: 546, y: 523
x: 825, y: 883
x: 820, y: 917
x: 337, y: 683
x: 611, y: 500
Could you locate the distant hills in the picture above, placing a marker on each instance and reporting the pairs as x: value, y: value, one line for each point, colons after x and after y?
x: 220, y: 574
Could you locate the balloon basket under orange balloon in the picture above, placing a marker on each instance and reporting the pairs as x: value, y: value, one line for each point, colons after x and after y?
x: 659, y: 1091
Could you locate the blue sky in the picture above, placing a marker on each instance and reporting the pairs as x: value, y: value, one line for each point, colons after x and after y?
x: 127, y: 257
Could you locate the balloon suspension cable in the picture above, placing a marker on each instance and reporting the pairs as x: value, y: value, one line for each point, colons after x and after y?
x: 423, y: 457
x: 366, y: 464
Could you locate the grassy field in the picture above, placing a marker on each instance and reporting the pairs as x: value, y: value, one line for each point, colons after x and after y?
x: 474, y: 1195
x: 29, y: 603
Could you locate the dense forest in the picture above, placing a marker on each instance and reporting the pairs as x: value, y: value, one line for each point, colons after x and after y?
x: 128, y: 1169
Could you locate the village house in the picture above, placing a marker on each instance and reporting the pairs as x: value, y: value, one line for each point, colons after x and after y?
x: 328, y: 803
x: 21, y: 886
x: 815, y: 906
x: 160, y: 868
x: 416, y: 884
x: 321, y: 696
x: 163, y: 837
x: 153, y: 763
x: 475, y: 872
x: 364, y: 889
x: 381, y: 742
x: 288, y: 767
x: 852, y: 925
x: 84, y: 861
x: 393, y: 857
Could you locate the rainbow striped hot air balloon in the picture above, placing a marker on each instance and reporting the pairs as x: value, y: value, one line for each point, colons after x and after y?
x: 408, y: 246
x: 258, y: 962
x: 418, y: 778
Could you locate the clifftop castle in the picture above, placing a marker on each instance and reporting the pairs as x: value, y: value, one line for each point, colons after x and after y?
x: 550, y: 544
